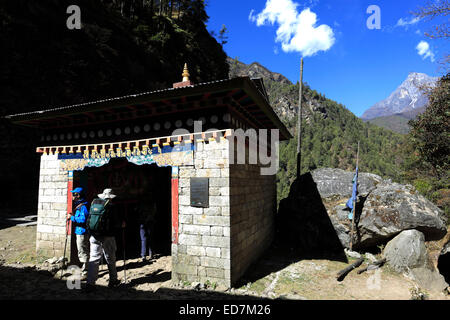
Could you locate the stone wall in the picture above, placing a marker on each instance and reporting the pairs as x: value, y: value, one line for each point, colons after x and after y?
x: 215, y: 244
x: 203, y: 249
x: 52, y: 207
x: 218, y: 244
x: 253, y: 207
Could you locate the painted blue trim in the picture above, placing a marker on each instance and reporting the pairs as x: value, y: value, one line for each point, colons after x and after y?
x: 63, y: 156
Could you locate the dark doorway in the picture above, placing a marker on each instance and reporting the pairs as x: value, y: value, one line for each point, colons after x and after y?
x: 133, y: 183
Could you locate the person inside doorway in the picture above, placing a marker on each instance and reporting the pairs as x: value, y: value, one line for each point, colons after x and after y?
x: 79, y: 218
x: 146, y: 213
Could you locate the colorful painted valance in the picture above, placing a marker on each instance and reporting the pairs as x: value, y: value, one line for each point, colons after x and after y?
x: 168, y: 155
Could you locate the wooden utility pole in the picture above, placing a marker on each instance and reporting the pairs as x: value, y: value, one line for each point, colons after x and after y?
x: 299, y: 121
x: 354, y: 201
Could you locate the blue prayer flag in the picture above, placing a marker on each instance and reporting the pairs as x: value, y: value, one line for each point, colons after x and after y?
x: 349, y: 203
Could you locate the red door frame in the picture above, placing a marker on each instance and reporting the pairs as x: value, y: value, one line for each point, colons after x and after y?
x: 69, y: 202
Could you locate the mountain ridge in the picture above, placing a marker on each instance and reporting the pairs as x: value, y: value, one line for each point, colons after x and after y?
x: 238, y: 68
x: 330, y: 132
x: 398, y: 122
x: 409, y: 95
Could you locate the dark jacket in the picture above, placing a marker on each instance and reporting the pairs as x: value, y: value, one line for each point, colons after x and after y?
x: 146, y: 213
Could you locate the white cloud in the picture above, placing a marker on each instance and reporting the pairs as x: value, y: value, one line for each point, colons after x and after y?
x: 251, y: 17
x: 423, y: 49
x: 405, y: 22
x: 296, y: 31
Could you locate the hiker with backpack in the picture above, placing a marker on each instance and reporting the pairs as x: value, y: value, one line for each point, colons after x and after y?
x: 105, y: 220
x: 79, y: 218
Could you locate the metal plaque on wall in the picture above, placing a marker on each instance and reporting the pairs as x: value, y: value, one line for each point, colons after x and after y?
x: 200, y: 192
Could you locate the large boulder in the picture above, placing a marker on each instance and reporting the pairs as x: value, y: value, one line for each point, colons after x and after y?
x: 391, y: 208
x: 406, y: 251
x: 408, y: 254
x: 429, y: 279
x: 336, y: 183
x: 383, y: 208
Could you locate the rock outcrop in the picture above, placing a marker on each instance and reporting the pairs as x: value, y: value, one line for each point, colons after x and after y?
x: 383, y: 209
x: 429, y: 279
x: 392, y: 207
x: 406, y: 251
x: 337, y: 183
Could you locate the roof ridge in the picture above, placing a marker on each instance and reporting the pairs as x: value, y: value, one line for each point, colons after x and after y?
x: 110, y: 99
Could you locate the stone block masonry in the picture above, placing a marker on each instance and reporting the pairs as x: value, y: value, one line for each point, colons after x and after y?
x: 203, y: 250
x: 253, y: 208
x: 52, y: 208
x: 218, y: 244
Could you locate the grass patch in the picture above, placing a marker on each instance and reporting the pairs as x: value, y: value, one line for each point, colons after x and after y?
x: 258, y: 286
x: 288, y: 283
x: 27, y: 257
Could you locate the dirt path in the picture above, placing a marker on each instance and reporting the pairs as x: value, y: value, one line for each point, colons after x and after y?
x: 26, y: 276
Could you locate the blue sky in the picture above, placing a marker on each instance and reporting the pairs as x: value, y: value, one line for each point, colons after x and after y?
x: 343, y: 58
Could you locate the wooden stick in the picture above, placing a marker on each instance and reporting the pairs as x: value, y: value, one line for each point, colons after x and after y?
x: 343, y: 273
x: 372, y: 266
x: 299, y: 122
x: 354, y: 203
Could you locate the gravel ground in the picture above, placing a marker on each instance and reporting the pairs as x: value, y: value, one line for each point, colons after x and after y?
x: 276, y: 276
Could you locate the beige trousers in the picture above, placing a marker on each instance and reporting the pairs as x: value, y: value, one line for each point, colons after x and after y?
x: 83, y: 248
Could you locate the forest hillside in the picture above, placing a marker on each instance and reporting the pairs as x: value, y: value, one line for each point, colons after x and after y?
x: 123, y: 47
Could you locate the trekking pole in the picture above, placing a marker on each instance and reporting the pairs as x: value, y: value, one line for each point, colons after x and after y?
x: 124, y: 259
x: 65, y: 246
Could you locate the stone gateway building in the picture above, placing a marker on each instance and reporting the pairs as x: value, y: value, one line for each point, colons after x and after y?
x: 181, y: 147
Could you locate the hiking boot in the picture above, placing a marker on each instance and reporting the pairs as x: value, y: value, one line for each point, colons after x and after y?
x: 114, y: 283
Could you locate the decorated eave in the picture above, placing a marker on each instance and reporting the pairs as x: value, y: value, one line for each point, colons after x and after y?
x: 244, y: 97
x: 130, y: 148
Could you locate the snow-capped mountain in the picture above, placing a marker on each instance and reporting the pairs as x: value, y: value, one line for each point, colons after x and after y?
x: 407, y: 97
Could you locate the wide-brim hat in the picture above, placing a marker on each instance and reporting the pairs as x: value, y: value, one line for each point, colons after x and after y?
x: 107, y: 194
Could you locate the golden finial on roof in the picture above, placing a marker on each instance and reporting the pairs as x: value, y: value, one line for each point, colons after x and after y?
x: 185, y: 73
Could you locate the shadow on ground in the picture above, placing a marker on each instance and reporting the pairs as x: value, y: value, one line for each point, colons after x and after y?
x: 28, y: 283
x: 303, y: 223
x: 303, y: 232
x: 10, y: 218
